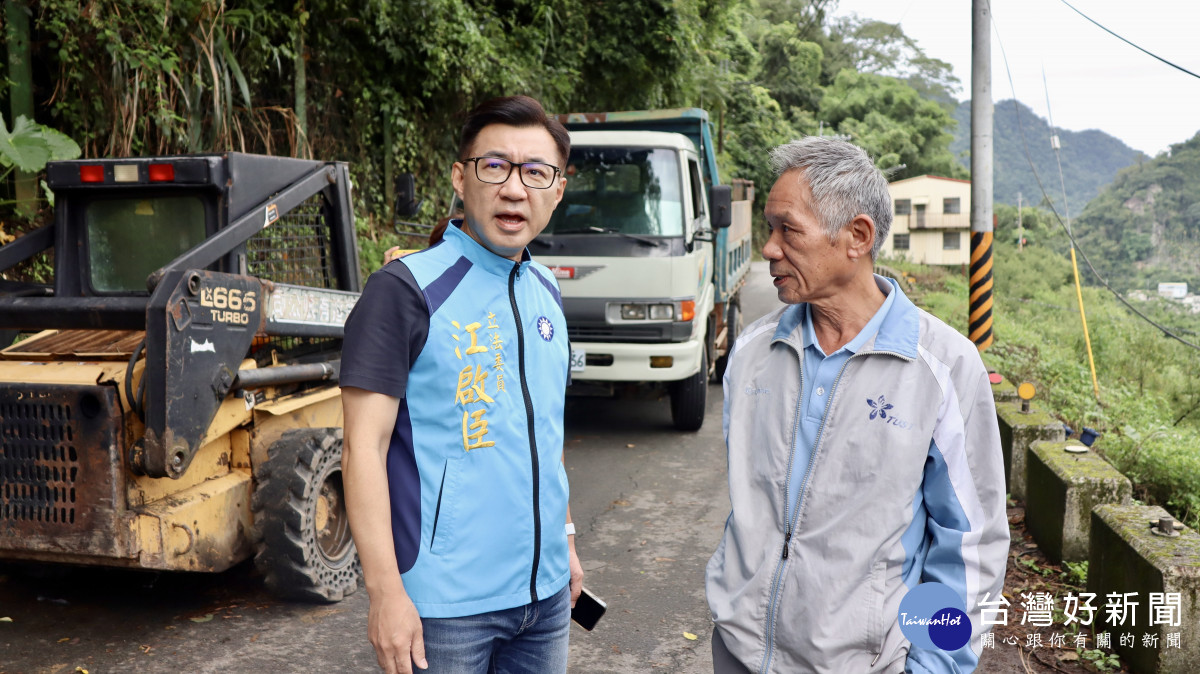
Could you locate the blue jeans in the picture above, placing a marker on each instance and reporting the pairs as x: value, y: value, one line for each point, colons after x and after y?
x: 529, y: 639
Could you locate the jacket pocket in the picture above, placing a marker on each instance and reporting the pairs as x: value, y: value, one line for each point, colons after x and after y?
x: 442, y: 534
x: 874, y: 619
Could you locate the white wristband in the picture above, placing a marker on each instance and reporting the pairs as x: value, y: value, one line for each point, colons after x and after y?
x: 570, y: 528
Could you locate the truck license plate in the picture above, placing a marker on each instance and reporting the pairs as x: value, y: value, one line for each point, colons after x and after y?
x: 578, y: 360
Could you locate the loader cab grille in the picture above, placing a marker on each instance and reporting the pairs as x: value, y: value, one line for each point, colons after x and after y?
x: 296, y: 248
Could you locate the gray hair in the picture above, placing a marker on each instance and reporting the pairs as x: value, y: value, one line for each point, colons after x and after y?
x: 844, y: 183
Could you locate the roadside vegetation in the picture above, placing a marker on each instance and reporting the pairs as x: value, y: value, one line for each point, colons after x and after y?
x: 385, y: 85
x: 1148, y: 411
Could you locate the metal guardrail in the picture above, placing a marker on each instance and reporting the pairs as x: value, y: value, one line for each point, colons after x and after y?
x: 899, y: 276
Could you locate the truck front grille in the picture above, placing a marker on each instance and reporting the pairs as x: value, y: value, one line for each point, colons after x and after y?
x: 39, y: 462
x: 638, y: 334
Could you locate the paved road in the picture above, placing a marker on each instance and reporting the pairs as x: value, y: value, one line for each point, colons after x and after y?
x: 649, y: 503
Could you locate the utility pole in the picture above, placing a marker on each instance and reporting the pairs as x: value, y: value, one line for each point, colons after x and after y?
x: 980, y: 320
x: 1020, y: 226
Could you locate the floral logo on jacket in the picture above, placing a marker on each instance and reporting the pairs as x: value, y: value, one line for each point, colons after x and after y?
x: 879, y: 408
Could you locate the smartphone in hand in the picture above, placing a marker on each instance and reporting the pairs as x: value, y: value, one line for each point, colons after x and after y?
x: 587, y: 610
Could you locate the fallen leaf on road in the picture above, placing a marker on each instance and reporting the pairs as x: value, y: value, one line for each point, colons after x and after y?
x: 631, y: 445
x: 202, y: 619
x: 80, y: 670
x: 663, y: 559
x: 64, y: 640
x: 689, y: 636
x: 620, y: 502
x: 318, y: 615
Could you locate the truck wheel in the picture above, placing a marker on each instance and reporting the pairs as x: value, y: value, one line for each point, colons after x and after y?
x: 688, y: 398
x: 305, y: 550
x: 733, y: 323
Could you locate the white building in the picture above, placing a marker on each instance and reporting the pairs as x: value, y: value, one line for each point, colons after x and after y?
x: 1174, y: 291
x: 932, y: 220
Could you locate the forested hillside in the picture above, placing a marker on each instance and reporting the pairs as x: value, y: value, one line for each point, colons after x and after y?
x: 1090, y: 159
x: 1144, y: 228
x: 385, y: 85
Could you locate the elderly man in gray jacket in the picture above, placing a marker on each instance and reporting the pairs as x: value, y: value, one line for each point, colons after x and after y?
x: 865, y: 475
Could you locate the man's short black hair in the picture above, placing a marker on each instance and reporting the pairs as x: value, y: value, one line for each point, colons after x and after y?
x: 518, y: 111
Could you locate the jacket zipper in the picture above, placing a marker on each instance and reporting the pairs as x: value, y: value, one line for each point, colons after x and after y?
x: 533, y: 454
x: 787, y: 538
x: 791, y: 522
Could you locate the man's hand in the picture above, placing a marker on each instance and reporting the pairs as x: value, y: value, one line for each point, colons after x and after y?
x: 394, y: 629
x: 576, y: 572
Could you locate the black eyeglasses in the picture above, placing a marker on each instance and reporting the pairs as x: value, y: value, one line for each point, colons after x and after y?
x: 496, y: 171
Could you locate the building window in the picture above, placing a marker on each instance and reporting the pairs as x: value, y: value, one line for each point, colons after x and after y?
x: 951, y: 205
x: 951, y: 240
x: 899, y: 242
x: 903, y: 206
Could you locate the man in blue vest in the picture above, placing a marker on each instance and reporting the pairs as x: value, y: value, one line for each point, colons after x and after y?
x: 454, y: 370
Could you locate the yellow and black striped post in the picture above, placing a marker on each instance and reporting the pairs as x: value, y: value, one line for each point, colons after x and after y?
x: 980, y: 324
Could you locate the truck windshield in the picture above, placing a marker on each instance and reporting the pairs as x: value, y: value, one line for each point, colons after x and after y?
x: 128, y: 239
x: 620, y: 190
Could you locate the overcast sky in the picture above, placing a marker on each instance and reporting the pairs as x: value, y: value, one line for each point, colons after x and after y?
x: 1095, y: 81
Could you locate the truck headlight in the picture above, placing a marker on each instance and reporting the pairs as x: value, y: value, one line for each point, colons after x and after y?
x: 633, y: 312
x: 662, y: 312
x: 655, y: 310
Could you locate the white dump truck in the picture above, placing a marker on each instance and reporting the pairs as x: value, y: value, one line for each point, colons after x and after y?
x: 650, y: 250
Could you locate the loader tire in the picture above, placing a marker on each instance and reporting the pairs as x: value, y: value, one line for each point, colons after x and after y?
x: 689, y: 397
x: 305, y: 552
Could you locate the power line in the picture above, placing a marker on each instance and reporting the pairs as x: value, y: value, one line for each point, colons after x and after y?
x: 1131, y: 44
x: 1029, y: 157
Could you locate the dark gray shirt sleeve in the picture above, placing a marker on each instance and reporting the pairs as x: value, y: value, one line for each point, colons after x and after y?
x: 385, y: 332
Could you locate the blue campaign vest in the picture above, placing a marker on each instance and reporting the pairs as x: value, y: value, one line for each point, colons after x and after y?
x: 477, y: 415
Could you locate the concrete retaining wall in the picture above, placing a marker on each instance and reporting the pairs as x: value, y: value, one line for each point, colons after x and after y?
x: 1018, y: 432
x: 1126, y: 557
x: 1063, y: 487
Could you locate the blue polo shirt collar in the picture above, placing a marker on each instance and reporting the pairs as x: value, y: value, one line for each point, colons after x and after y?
x: 854, y: 345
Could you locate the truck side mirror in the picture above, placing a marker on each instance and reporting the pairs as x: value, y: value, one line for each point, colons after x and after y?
x: 720, y: 206
x: 407, y: 203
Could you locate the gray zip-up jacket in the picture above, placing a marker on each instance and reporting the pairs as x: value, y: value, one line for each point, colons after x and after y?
x: 889, y: 501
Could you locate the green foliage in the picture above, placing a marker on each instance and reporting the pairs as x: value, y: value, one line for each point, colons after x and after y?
x: 1148, y: 413
x: 30, y: 145
x: 1102, y: 661
x: 1090, y: 159
x: 892, y: 122
x: 389, y: 83
x: 1144, y: 228
x: 1076, y: 573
